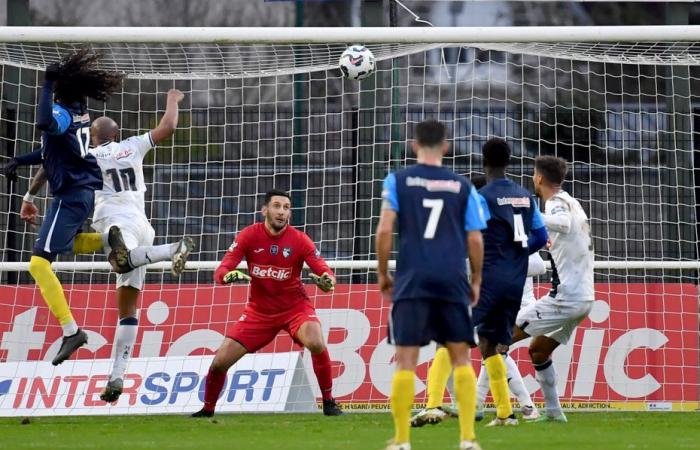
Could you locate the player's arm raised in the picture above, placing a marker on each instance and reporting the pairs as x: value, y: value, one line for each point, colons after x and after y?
x: 168, y: 123
x: 321, y: 274
x: 227, y: 271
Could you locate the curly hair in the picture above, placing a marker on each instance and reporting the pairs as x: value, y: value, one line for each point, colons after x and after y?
x: 80, y: 77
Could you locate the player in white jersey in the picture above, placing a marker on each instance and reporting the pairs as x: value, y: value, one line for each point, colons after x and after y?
x: 552, y: 319
x: 121, y: 204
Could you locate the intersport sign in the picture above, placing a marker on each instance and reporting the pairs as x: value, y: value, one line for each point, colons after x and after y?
x: 637, y: 350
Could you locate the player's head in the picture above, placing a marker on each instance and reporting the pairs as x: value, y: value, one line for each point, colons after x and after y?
x: 550, y: 173
x: 431, y: 137
x: 277, y: 209
x: 102, y: 130
x: 79, y: 78
x: 496, y: 153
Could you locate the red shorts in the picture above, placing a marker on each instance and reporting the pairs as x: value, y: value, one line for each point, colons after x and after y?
x: 254, y: 329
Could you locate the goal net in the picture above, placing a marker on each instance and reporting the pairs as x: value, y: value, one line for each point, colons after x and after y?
x: 280, y: 115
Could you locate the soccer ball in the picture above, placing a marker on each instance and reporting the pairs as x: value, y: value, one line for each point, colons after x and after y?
x: 356, y: 62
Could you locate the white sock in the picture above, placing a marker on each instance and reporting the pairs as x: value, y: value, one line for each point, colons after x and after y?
x: 547, y: 377
x: 70, y: 328
x: 516, y: 384
x: 105, y: 241
x: 140, y: 256
x: 124, y: 343
x: 482, y: 387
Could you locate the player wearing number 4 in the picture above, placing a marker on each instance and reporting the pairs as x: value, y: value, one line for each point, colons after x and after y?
x: 275, y: 253
x: 73, y: 175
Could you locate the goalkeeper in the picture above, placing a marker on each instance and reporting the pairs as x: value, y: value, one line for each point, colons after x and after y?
x: 275, y: 253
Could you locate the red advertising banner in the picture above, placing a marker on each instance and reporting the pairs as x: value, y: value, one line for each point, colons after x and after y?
x: 638, y: 347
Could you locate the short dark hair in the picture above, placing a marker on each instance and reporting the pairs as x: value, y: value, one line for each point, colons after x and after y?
x: 430, y: 133
x: 552, y: 168
x: 276, y: 193
x: 496, y: 153
x: 478, y: 180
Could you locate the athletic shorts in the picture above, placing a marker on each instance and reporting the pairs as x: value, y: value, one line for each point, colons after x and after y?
x: 255, y: 329
x: 556, y: 319
x: 64, y: 219
x: 415, y: 322
x: 494, y: 315
x: 136, y: 231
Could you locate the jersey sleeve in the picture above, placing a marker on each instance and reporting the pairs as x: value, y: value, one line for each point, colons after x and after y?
x: 61, y: 120
x: 142, y: 143
x: 477, y: 212
x: 535, y: 265
x: 313, y: 258
x: 234, y: 255
x: 390, y: 198
x: 557, y: 216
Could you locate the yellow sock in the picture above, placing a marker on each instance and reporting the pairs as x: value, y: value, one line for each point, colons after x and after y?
x: 465, y: 391
x: 496, y: 368
x: 437, y: 377
x: 402, y: 392
x: 87, y: 243
x: 51, y: 289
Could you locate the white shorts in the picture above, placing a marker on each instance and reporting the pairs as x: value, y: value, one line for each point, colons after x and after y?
x: 556, y: 319
x: 136, y: 232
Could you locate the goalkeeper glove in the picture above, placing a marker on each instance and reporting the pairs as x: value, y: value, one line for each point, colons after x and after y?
x: 235, y: 275
x: 10, y: 170
x: 53, y: 72
x: 324, y: 282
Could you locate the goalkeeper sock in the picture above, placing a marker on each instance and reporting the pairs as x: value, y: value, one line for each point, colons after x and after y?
x: 322, y: 369
x: 52, y: 291
x: 87, y: 243
x: 402, y: 393
x: 465, y: 387
x: 482, y: 386
x: 140, y: 256
x: 499, y: 385
x: 124, y: 344
x: 212, y: 388
x: 437, y: 377
x: 515, y: 382
x: 547, y: 377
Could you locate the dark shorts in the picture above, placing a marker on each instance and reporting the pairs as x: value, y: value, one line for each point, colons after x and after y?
x: 255, y: 329
x: 63, y: 221
x: 494, y: 316
x: 418, y: 321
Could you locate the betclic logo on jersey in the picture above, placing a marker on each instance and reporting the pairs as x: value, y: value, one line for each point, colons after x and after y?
x: 276, y: 273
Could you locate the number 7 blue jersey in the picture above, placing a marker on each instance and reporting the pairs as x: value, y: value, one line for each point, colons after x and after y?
x: 435, y: 209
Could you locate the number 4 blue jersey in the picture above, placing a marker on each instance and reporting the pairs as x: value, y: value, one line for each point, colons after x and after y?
x: 66, y: 159
x: 435, y: 209
x: 514, y: 214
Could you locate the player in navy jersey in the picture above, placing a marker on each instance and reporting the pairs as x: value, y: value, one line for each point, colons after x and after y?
x: 73, y: 176
x: 515, y: 230
x: 440, y: 218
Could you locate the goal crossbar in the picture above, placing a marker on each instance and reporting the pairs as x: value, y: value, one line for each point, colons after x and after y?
x: 328, y: 35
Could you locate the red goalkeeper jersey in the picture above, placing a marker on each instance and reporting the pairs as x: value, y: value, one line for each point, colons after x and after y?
x: 274, y: 264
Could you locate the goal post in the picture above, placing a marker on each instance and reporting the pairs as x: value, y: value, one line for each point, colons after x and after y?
x: 269, y: 108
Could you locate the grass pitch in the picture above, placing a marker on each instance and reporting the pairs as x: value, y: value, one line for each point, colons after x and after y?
x: 585, y: 431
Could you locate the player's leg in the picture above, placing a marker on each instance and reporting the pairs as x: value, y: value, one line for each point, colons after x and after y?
x: 226, y: 356
x: 541, y: 349
x: 129, y: 286
x: 56, y: 235
x: 309, y: 335
x: 438, y: 375
x: 249, y: 334
x: 409, y: 329
x: 482, y: 389
x: 517, y: 387
x: 177, y: 252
